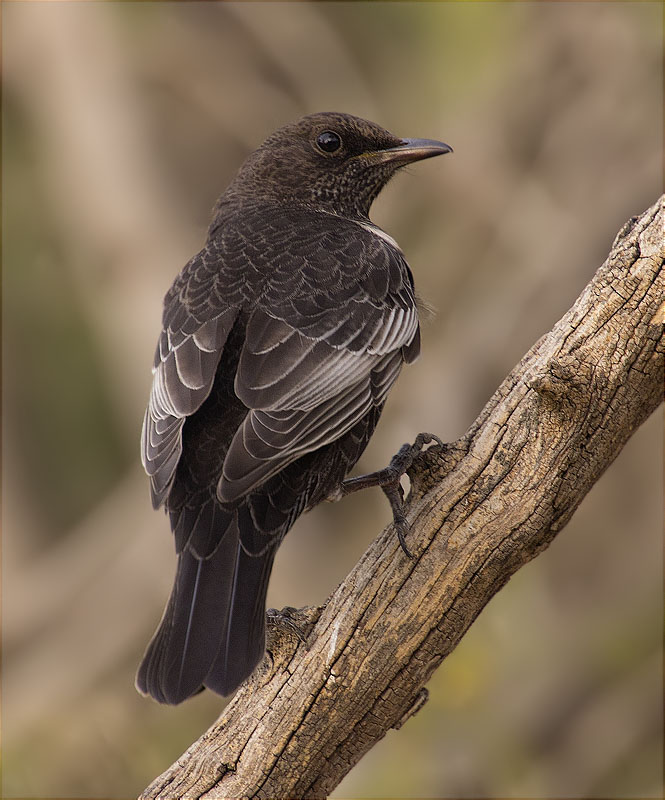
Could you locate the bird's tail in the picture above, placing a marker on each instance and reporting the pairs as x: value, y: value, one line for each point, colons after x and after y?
x: 212, y: 632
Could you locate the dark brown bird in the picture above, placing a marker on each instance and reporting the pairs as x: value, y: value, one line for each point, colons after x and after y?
x: 280, y: 342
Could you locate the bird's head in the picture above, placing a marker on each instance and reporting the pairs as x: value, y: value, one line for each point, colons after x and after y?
x: 329, y: 161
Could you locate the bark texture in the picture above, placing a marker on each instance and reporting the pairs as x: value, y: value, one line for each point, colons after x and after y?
x: 478, y: 510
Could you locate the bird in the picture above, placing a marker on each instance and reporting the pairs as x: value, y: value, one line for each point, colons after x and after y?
x: 280, y: 342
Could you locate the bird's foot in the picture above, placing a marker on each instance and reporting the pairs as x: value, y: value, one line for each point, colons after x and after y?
x: 388, y: 480
x: 292, y: 622
x: 287, y: 620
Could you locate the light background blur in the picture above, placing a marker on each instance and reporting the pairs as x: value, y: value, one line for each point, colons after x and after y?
x: 122, y: 122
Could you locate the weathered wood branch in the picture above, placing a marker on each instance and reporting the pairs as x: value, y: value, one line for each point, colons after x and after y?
x: 478, y: 511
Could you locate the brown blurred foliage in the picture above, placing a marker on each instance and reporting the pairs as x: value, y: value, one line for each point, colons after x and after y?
x: 122, y: 122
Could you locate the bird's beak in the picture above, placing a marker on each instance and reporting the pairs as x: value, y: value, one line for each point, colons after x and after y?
x: 411, y: 150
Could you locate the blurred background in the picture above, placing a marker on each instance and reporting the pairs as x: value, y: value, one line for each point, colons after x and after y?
x: 122, y: 123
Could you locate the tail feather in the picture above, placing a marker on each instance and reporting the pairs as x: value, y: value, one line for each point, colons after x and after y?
x: 186, y: 642
x: 243, y: 645
x: 212, y: 632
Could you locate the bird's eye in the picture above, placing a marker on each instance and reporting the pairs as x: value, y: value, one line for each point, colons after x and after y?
x: 328, y: 141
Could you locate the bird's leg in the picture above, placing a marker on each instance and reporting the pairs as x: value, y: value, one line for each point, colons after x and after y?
x: 388, y: 480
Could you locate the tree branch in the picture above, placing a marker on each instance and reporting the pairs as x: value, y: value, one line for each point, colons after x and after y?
x: 478, y: 510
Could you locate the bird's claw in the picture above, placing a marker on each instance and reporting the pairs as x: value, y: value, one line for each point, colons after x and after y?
x: 402, y: 528
x: 389, y: 481
x: 287, y: 619
x: 402, y: 461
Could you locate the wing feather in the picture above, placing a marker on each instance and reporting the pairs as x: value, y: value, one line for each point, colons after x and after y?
x: 304, y: 394
x: 268, y: 441
x: 184, y: 372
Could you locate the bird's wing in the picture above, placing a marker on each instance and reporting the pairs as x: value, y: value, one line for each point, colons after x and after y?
x: 334, y: 319
x: 196, y: 325
x: 314, y: 364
